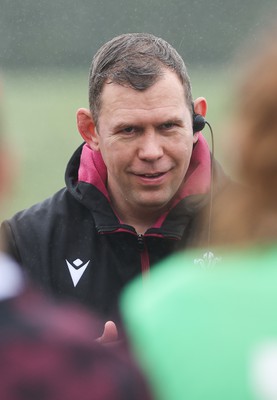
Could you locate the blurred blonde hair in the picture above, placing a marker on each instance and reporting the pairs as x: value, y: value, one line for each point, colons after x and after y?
x: 249, y: 214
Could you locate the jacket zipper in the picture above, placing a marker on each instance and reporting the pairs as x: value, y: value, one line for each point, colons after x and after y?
x: 144, y: 256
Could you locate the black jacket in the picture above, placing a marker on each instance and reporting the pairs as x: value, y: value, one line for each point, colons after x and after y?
x: 73, y: 244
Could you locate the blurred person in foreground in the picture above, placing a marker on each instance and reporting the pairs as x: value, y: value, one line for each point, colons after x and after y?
x: 135, y: 189
x: 206, y: 328
x: 51, y: 350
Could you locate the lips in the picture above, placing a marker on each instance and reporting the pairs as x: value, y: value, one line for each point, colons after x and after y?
x: 156, y: 175
x: 151, y: 175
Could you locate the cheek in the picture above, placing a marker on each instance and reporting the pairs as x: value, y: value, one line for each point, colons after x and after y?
x: 114, y: 159
x: 182, y: 151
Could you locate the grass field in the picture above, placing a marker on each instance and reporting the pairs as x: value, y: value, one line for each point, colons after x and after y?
x: 40, y: 110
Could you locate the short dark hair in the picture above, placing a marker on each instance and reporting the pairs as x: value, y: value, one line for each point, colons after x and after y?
x: 135, y: 60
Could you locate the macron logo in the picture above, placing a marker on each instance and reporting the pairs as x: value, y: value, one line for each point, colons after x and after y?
x: 77, y: 269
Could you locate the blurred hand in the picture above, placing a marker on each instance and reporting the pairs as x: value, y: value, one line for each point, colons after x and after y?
x: 110, y: 333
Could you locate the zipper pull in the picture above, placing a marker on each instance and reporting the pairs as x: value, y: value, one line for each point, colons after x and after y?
x: 140, y: 241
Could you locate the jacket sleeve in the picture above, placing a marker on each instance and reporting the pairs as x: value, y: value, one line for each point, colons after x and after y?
x: 8, y: 242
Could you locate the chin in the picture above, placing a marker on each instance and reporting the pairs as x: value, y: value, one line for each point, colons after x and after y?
x: 155, y: 205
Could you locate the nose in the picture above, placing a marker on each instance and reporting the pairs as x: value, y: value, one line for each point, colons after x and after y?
x: 150, y: 147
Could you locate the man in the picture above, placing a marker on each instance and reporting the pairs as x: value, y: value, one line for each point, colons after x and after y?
x: 135, y: 190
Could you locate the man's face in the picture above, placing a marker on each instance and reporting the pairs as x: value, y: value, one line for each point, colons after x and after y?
x: 146, y: 141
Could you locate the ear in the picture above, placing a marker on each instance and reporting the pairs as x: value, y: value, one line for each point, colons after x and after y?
x: 87, y: 128
x: 200, y: 107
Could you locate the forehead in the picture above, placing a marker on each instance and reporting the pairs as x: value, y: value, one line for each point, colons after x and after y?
x: 167, y: 94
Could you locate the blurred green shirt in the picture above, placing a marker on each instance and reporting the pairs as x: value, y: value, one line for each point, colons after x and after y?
x: 205, y: 326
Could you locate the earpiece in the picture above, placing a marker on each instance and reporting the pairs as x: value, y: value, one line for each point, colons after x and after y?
x: 198, y: 122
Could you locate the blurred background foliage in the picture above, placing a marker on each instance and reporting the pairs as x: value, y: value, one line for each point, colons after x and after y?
x: 46, y: 49
x: 66, y: 32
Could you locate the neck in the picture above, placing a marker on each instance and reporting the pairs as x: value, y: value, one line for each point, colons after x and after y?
x: 141, y: 224
x: 138, y: 214
x: 141, y: 220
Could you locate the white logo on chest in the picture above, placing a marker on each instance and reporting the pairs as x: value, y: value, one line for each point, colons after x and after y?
x: 77, y: 269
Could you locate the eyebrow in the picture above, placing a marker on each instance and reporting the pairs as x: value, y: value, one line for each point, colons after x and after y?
x: 123, y: 125
x: 176, y: 121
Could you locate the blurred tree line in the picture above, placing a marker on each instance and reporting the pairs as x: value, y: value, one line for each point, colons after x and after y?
x: 66, y: 33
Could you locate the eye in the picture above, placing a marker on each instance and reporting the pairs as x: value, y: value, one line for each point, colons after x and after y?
x: 168, y: 125
x: 128, y: 129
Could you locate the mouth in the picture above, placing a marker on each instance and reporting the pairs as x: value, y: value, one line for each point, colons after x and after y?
x: 151, y: 176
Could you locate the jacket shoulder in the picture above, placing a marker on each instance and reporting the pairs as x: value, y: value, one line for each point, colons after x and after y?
x: 32, y: 226
x: 52, y: 205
